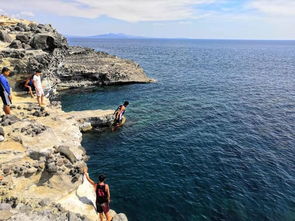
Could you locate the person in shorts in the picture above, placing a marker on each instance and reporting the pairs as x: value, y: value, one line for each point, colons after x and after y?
x: 38, y: 87
x: 5, y: 91
x: 103, y: 196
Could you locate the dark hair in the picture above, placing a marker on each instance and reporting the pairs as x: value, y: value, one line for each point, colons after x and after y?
x: 101, y: 178
x: 38, y: 71
x: 126, y: 103
x: 4, y: 70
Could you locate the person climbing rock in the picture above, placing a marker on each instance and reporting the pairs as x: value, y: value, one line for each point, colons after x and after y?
x: 5, y: 91
x: 103, y: 196
x: 29, y: 85
x: 39, y: 88
x: 119, y: 113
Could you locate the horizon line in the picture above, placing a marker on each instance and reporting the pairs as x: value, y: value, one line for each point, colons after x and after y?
x: 174, y: 38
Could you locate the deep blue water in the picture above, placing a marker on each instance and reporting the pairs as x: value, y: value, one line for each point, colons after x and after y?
x: 213, y: 139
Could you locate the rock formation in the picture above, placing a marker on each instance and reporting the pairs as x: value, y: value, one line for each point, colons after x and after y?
x: 26, y: 46
x: 41, y: 157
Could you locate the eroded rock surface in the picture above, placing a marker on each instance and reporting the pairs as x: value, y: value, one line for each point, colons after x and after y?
x: 42, y: 162
x: 26, y: 46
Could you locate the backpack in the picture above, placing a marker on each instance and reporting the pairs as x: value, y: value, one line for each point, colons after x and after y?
x: 101, y: 194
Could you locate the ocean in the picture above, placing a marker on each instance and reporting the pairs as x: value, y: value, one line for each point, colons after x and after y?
x: 213, y: 139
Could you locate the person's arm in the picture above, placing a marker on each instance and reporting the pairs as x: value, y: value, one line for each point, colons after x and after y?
x: 109, y: 192
x: 6, y: 85
x: 88, y: 178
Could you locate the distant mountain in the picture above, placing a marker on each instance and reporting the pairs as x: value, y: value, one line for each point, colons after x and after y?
x: 115, y: 36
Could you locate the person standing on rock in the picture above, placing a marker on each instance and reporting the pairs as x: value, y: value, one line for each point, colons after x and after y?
x: 103, y: 196
x: 5, y: 91
x: 38, y: 88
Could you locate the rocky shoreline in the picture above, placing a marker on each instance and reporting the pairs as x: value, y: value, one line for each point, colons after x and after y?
x: 41, y: 157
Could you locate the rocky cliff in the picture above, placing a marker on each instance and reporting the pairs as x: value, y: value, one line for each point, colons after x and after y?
x: 41, y: 157
x: 26, y: 46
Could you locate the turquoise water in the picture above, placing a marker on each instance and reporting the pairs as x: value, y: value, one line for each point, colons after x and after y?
x: 213, y: 139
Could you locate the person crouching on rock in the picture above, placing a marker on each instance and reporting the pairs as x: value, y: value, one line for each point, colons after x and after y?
x: 103, y: 196
x: 119, y: 113
x: 5, y: 91
x: 29, y: 85
x: 38, y: 88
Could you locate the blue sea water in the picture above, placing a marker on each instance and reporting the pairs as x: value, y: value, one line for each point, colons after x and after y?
x: 213, y: 139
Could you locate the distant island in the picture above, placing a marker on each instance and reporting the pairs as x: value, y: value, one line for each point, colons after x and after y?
x: 110, y: 36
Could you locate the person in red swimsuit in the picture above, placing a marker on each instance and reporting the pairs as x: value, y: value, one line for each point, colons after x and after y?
x: 103, y: 196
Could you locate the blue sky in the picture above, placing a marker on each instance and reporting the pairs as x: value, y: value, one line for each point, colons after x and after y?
x: 202, y: 19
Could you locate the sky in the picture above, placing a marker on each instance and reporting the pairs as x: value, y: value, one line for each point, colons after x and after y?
x: 200, y: 19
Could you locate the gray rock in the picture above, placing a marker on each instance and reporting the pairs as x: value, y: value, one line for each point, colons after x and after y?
x: 23, y: 38
x: 51, y: 167
x: 120, y: 217
x: 4, y: 36
x: 65, y: 150
x: 16, y: 44
x: 20, y: 29
x: 48, y: 42
x: 36, y: 155
x: 9, y: 120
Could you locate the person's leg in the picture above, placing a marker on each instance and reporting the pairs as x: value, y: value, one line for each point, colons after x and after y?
x: 42, y: 99
x: 39, y: 100
x: 6, y: 109
x: 101, y: 216
x: 31, y: 92
x: 108, y: 216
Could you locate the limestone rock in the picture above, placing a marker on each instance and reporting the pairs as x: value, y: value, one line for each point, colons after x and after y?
x: 120, y: 217
x: 65, y: 150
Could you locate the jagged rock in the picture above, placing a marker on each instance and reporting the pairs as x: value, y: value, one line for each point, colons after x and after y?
x: 23, y: 38
x: 120, y: 217
x: 48, y: 42
x: 20, y: 29
x: 9, y: 120
x: 16, y: 44
x: 4, y: 36
x: 65, y: 150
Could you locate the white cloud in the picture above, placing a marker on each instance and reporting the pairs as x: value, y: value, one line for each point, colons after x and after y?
x: 127, y: 10
x: 274, y: 7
